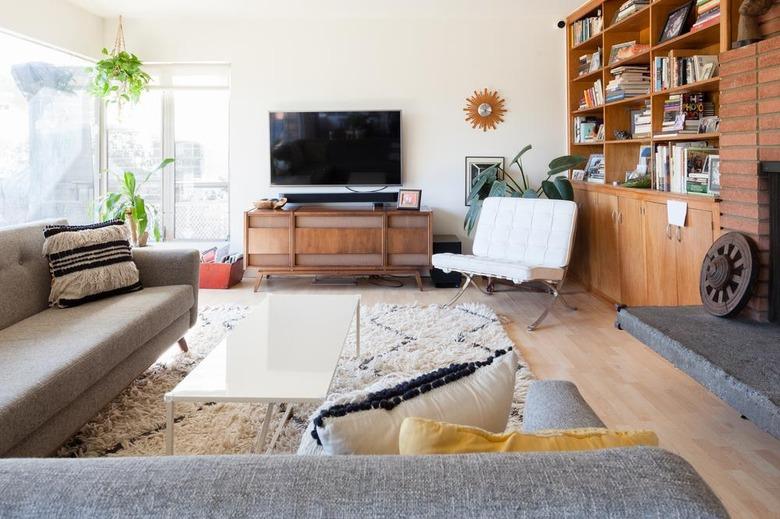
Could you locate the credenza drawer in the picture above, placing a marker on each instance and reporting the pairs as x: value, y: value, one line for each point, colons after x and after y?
x: 268, y: 241
x: 338, y: 241
x: 413, y: 240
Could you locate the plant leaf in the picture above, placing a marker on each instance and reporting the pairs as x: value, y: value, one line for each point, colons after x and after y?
x: 550, y: 190
x: 129, y: 184
x: 530, y: 193
x: 520, y: 154
x: 564, y: 163
x: 140, y: 215
x: 564, y: 187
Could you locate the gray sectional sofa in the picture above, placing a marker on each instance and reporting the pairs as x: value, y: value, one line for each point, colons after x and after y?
x: 59, y: 367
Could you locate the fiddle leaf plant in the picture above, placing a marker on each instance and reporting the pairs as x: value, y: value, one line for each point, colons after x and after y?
x: 128, y: 204
x: 118, y: 77
x: 496, y: 181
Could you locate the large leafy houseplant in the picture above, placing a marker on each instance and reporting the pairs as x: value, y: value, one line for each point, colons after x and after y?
x: 129, y: 205
x: 496, y: 181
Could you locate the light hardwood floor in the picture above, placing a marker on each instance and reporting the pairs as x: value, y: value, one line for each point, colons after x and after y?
x: 626, y: 383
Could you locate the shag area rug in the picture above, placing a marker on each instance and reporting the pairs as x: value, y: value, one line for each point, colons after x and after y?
x: 397, y: 342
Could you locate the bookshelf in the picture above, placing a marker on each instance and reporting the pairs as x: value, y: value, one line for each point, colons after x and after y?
x: 626, y: 251
x: 645, y: 27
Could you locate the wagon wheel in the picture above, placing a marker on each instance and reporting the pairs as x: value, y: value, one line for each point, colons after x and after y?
x: 728, y: 275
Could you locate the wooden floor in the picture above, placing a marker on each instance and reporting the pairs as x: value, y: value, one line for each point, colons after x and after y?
x: 627, y: 384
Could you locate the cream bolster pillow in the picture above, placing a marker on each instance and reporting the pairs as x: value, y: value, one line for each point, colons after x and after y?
x: 419, y: 436
x: 473, y: 393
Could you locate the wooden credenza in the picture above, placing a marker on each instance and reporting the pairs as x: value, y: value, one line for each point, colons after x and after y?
x: 314, y: 241
x: 626, y: 252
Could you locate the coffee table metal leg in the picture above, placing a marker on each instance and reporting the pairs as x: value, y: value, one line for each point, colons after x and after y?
x: 357, y: 330
x: 264, y: 430
x: 169, y: 427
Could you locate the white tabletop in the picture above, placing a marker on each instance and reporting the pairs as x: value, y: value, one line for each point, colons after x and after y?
x: 285, y: 350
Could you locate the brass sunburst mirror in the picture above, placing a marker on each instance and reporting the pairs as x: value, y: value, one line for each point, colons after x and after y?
x: 485, y: 109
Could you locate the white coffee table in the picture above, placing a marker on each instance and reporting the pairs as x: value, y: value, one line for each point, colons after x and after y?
x: 285, y: 351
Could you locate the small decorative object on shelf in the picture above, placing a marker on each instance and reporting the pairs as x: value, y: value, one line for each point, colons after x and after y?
x: 485, y: 110
x: 594, y: 169
x: 749, y: 29
x: 678, y: 22
x: 270, y: 203
x: 475, y: 166
x: 409, y: 199
x: 621, y: 135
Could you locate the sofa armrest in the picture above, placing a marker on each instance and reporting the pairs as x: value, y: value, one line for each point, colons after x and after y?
x: 557, y: 404
x: 161, y: 267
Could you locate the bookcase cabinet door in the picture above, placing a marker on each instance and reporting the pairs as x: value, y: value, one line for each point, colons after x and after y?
x: 580, y: 260
x: 692, y: 242
x: 661, y: 257
x: 633, y: 270
x: 608, y: 251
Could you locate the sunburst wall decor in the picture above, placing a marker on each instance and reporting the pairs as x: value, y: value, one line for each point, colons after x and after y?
x: 485, y: 110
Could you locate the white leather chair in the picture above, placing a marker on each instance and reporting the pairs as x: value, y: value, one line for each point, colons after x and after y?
x: 522, y: 240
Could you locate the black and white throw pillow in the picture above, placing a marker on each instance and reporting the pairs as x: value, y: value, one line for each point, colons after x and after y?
x: 89, y: 262
x: 477, y: 394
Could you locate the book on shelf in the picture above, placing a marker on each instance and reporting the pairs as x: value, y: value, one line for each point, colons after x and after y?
x: 626, y: 50
x: 628, y: 8
x: 589, y: 63
x: 642, y: 122
x: 707, y: 14
x: 592, y: 97
x: 586, y: 28
x: 683, y: 67
x: 684, y: 113
x: 588, y: 129
x: 678, y: 167
x: 628, y: 81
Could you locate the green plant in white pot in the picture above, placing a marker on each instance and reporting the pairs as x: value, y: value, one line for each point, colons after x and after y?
x: 128, y: 204
x: 496, y: 181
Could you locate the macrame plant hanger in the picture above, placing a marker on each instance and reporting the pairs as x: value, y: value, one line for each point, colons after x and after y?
x: 119, y: 41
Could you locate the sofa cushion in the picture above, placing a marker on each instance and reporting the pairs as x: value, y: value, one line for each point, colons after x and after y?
x: 49, y: 359
x: 89, y: 262
x: 474, y: 393
x: 24, y: 273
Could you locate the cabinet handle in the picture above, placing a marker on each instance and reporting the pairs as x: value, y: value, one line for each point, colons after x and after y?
x: 679, y: 234
x: 620, y: 217
x: 669, y: 231
x: 614, y: 218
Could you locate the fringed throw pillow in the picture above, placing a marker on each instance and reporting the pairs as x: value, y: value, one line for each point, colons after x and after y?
x: 89, y: 262
x: 478, y: 394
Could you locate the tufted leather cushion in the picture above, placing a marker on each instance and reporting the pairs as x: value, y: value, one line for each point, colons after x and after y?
x: 24, y: 272
x: 535, y: 232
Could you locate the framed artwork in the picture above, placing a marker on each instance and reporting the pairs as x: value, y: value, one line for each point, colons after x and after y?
x: 409, y: 199
x: 712, y: 167
x: 578, y: 174
x: 677, y: 22
x: 475, y: 166
x: 594, y: 169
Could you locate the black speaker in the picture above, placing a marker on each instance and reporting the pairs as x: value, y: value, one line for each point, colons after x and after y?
x: 340, y: 198
x: 446, y: 243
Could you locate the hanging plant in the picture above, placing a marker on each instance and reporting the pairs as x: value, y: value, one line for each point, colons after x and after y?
x: 118, y: 77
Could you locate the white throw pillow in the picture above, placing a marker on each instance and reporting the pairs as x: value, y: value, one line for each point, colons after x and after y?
x: 477, y: 394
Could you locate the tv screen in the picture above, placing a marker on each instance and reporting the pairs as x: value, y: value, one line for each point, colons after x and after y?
x: 335, y: 148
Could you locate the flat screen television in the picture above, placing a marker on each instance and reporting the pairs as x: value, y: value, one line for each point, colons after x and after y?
x: 335, y: 148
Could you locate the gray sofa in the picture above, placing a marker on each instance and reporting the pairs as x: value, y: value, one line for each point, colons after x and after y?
x: 59, y: 367
x: 632, y: 482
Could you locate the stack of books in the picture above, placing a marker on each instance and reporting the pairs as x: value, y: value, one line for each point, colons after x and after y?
x: 589, y: 63
x: 677, y: 163
x: 683, y: 113
x: 593, y: 96
x: 588, y: 130
x: 642, y: 122
x: 628, y: 8
x: 707, y: 13
x: 628, y: 81
x: 585, y: 29
x: 626, y: 50
x: 683, y: 68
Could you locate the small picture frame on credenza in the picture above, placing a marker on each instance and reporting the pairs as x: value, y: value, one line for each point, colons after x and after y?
x: 409, y: 199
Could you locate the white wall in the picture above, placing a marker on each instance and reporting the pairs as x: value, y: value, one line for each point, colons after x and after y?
x: 423, y: 61
x: 54, y: 22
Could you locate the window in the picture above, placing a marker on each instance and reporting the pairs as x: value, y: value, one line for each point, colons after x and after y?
x: 48, y: 134
x: 184, y: 116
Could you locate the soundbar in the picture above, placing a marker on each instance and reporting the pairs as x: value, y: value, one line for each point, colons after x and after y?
x: 340, y: 198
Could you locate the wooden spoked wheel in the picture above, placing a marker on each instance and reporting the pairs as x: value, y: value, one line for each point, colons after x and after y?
x: 728, y: 275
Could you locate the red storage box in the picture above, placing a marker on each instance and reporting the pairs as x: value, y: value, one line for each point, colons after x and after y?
x: 221, y: 275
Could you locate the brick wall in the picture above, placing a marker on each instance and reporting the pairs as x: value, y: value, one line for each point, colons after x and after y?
x: 750, y: 132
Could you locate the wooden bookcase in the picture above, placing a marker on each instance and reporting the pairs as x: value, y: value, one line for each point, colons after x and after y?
x: 625, y: 251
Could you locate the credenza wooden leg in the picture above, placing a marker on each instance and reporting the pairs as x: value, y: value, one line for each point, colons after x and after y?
x: 183, y: 344
x: 258, y: 281
x: 418, y: 279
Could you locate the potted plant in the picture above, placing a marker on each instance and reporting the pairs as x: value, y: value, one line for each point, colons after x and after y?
x: 128, y: 205
x: 496, y: 181
x: 118, y: 77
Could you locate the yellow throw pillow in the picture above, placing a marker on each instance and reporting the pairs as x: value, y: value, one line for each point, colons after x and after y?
x: 421, y: 436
